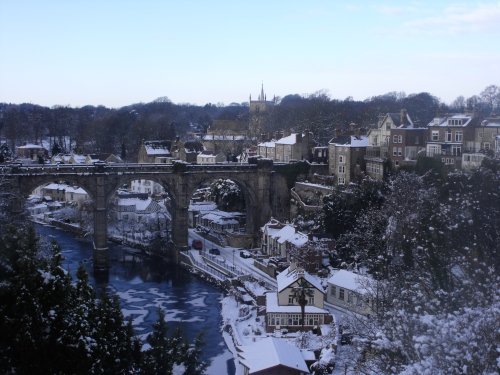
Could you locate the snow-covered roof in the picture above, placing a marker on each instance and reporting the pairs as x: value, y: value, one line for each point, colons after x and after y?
x: 75, y: 190
x: 156, y: 148
x: 458, y: 119
x: 272, y: 306
x: 79, y: 159
x: 350, y: 141
x: 289, y: 276
x: 271, y: 352
x: 298, y: 239
x: 289, y: 140
x: 65, y: 187
x: 267, y: 144
x: 350, y: 280
x: 284, y: 233
x: 219, y: 219
x: 30, y: 146
x: 145, y: 205
x: 203, y: 206
x: 223, y: 137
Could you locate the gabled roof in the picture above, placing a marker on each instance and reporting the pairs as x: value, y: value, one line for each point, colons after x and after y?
x: 157, y: 148
x: 350, y: 280
x: 271, y: 352
x: 289, y: 276
x: 454, y: 120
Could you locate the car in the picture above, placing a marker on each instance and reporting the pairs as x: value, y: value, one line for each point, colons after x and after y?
x: 214, y: 251
x: 197, y: 245
x: 245, y: 254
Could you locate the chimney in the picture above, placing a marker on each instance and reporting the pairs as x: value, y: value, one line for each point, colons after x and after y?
x: 402, y: 117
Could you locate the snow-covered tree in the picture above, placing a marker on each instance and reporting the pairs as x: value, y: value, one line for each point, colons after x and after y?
x: 227, y: 194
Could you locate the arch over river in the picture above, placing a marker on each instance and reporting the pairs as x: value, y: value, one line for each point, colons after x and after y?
x: 265, y: 189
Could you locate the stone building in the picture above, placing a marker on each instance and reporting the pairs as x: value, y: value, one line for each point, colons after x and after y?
x: 346, y: 157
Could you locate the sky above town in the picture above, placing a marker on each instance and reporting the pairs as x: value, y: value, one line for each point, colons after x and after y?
x: 115, y: 53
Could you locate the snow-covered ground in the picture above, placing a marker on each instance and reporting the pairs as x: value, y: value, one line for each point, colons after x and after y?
x: 241, y: 324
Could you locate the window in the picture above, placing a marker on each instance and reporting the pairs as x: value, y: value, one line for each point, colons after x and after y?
x: 448, y: 161
x: 400, y: 151
x: 341, y: 168
x: 333, y: 291
x: 433, y: 150
x: 341, y: 181
x: 448, y: 136
x: 397, y: 139
x: 341, y: 158
x: 458, y: 136
x: 290, y: 300
x: 341, y: 294
x: 310, y: 300
x: 435, y: 135
x: 456, y: 150
x: 486, y: 146
x: 397, y: 151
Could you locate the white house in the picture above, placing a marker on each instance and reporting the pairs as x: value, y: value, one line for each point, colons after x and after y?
x: 270, y: 356
x: 278, y: 238
x: 350, y: 291
x: 283, y: 309
x: 197, y: 209
x: 208, y: 157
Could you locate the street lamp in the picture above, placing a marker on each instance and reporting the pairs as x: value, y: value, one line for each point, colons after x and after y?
x: 234, y: 267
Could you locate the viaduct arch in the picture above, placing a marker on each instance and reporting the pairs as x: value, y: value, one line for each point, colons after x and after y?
x: 264, y: 187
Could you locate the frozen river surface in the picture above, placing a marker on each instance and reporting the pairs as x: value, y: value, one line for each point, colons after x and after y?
x: 144, y: 286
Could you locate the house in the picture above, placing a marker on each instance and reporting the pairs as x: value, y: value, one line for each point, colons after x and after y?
x: 186, y: 151
x: 379, y: 142
x: 77, y: 159
x: 135, y: 209
x: 405, y: 144
x: 60, y: 159
x: 351, y: 291
x: 227, y: 136
x: 486, y: 141
x: 155, y: 152
x: 64, y: 193
x: 108, y: 158
x: 346, y: 156
x: 282, y: 307
x: 197, y: 209
x: 208, y: 157
x: 451, y: 136
x: 296, y: 146
x: 221, y: 221
x: 277, y: 238
x: 272, y: 356
x: 32, y: 152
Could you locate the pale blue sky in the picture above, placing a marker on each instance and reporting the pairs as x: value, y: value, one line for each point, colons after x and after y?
x: 75, y: 52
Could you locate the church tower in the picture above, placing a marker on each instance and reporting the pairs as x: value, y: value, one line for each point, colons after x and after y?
x: 260, y: 115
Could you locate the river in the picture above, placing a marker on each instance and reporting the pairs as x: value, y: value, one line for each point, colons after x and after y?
x: 144, y: 285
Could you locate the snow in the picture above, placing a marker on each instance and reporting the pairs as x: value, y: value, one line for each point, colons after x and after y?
x: 270, y: 352
x: 289, y: 276
x: 350, y: 280
x: 290, y: 140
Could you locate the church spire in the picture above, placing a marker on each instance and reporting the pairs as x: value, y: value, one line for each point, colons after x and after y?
x: 262, y: 96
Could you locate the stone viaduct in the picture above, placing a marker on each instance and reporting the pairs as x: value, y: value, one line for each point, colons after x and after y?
x: 266, y: 188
